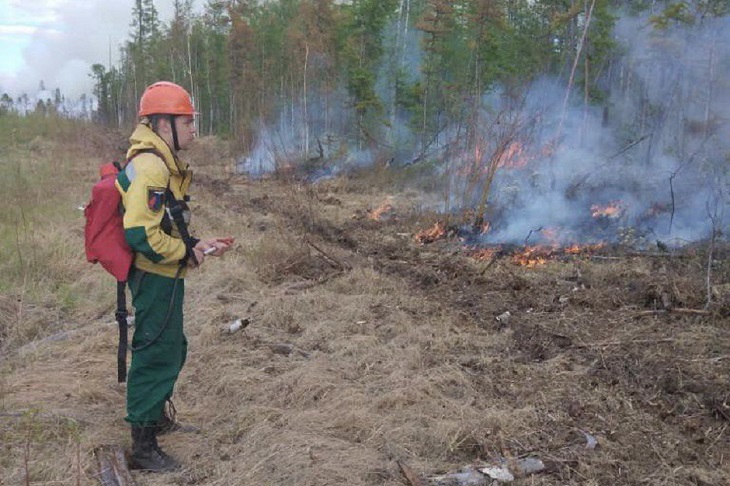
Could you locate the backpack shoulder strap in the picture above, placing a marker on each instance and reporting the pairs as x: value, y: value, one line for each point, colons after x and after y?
x: 176, y: 212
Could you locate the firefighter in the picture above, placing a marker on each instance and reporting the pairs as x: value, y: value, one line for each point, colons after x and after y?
x: 154, y: 186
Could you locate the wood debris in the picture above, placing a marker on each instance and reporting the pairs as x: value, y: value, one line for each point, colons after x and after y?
x: 113, y: 467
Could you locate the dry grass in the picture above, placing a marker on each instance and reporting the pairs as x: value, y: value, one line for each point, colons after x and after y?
x: 363, y: 349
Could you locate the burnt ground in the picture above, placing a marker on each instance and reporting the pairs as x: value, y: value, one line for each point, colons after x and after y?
x: 615, y: 346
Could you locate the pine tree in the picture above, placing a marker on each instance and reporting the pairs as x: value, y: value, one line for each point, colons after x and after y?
x: 362, y: 51
x: 141, y: 48
x: 244, y: 80
x: 102, y: 93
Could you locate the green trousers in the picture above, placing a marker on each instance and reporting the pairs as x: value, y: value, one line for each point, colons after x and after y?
x: 159, y: 346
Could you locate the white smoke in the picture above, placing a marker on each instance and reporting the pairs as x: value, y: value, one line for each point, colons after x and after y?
x: 659, y: 151
x: 59, y: 40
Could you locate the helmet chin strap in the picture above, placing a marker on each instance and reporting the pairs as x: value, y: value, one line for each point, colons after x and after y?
x: 175, y: 144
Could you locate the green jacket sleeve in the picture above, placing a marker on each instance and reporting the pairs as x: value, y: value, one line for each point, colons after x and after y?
x: 143, y: 185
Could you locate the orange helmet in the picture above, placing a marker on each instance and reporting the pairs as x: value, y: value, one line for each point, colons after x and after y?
x: 165, y: 98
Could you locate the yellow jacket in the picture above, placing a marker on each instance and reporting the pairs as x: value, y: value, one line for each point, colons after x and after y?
x: 143, y: 184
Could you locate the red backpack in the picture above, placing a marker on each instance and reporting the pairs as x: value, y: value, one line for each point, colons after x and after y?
x: 105, y: 243
x: 104, y: 233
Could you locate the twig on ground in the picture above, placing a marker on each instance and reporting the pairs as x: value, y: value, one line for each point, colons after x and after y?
x: 674, y: 310
x: 412, y: 478
x: 623, y: 343
x: 657, y: 254
x: 334, y: 261
x: 308, y: 284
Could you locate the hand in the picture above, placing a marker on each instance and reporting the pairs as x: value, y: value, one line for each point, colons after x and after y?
x: 199, y: 257
x: 217, y: 246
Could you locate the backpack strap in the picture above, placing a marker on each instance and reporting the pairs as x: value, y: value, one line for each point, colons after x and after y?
x: 121, y: 316
x: 176, y: 212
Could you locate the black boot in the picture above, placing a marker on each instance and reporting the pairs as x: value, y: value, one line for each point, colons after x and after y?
x: 147, y: 455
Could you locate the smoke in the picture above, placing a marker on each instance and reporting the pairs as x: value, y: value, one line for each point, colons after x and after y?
x: 647, y: 165
x: 309, y: 139
x: 327, y: 144
x: 656, y: 156
x: 57, y: 41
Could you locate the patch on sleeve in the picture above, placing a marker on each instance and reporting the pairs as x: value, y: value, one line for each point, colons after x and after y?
x: 155, y: 198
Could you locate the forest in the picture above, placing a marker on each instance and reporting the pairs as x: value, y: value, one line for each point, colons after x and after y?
x: 370, y: 70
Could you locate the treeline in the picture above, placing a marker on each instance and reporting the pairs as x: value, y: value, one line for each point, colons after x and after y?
x: 363, y: 69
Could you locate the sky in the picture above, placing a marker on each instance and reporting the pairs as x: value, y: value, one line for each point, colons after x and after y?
x: 57, y: 41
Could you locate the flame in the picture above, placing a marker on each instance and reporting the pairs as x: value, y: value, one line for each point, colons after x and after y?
x: 532, y: 256
x: 612, y: 210
x: 535, y: 256
x: 385, y: 209
x: 435, y: 232
x: 576, y: 249
x: 513, y: 157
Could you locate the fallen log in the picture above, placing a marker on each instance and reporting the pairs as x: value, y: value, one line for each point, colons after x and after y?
x: 113, y: 467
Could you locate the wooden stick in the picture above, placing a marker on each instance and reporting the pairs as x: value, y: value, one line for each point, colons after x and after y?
x: 657, y: 254
x: 621, y: 343
x: 327, y: 257
x: 113, y: 468
x: 674, y: 310
x: 412, y: 478
x: 307, y: 284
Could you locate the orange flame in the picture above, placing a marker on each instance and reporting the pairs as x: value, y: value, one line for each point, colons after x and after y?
x: 582, y: 249
x: 385, y: 209
x: 435, y: 232
x: 612, y: 210
x: 532, y: 256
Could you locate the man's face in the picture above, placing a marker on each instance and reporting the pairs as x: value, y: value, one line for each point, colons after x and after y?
x: 186, y: 130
